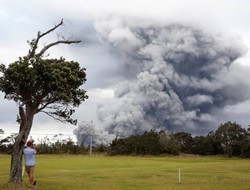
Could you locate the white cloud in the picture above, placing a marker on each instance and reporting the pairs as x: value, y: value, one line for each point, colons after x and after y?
x: 199, y: 99
x: 240, y: 108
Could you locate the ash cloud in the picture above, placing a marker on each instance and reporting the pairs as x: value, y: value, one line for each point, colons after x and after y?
x: 175, y: 77
x: 86, y: 130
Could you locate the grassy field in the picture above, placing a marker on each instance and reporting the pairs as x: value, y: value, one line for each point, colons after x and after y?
x: 67, y: 172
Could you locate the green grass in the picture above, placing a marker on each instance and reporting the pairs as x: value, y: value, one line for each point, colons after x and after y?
x: 67, y: 172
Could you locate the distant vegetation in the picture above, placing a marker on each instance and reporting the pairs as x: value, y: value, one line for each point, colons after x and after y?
x: 230, y: 139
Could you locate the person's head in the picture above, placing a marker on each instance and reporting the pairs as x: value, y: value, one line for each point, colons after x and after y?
x: 29, y: 143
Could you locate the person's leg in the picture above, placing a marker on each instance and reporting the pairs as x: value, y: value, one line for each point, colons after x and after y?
x: 31, y: 175
x: 28, y: 173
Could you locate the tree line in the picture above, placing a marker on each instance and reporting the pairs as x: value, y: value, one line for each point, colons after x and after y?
x: 46, y: 145
x: 230, y: 139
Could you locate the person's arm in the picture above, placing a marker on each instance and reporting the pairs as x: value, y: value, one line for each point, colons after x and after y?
x: 33, y: 147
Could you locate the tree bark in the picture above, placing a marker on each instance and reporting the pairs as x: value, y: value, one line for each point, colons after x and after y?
x: 16, y: 157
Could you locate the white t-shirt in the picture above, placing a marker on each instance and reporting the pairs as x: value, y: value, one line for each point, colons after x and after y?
x: 29, y: 155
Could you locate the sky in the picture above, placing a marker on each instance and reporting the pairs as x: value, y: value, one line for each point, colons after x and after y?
x: 169, y: 65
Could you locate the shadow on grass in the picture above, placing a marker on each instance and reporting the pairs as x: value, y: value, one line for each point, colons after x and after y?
x: 17, y: 186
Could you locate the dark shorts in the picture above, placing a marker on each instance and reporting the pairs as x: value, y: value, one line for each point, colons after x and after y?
x: 29, y: 169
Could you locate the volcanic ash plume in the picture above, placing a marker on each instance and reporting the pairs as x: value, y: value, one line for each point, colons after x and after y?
x: 86, y: 132
x: 176, y: 77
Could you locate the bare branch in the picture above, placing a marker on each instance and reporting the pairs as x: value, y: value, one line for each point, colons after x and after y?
x: 51, y: 115
x: 45, y: 105
x: 34, y: 46
x: 52, y: 29
x: 56, y: 43
x: 34, y: 42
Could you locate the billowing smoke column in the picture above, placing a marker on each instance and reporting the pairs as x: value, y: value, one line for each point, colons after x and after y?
x: 86, y: 132
x: 175, y: 77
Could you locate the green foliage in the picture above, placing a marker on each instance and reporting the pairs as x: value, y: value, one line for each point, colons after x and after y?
x: 6, y: 144
x: 145, y: 144
x: 48, y: 85
x: 203, y: 146
x: 231, y: 137
x: 185, y: 141
x: 61, y: 148
x: 149, y: 143
x: 169, y: 143
x: 123, y: 146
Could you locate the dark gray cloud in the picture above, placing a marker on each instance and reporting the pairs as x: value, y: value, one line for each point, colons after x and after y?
x: 102, y: 68
x: 174, y: 77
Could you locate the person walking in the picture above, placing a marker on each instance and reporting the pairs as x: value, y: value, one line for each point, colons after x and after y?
x: 29, y: 155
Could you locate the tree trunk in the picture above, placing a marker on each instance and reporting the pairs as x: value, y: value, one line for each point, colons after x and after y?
x: 16, y: 163
x: 16, y: 158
